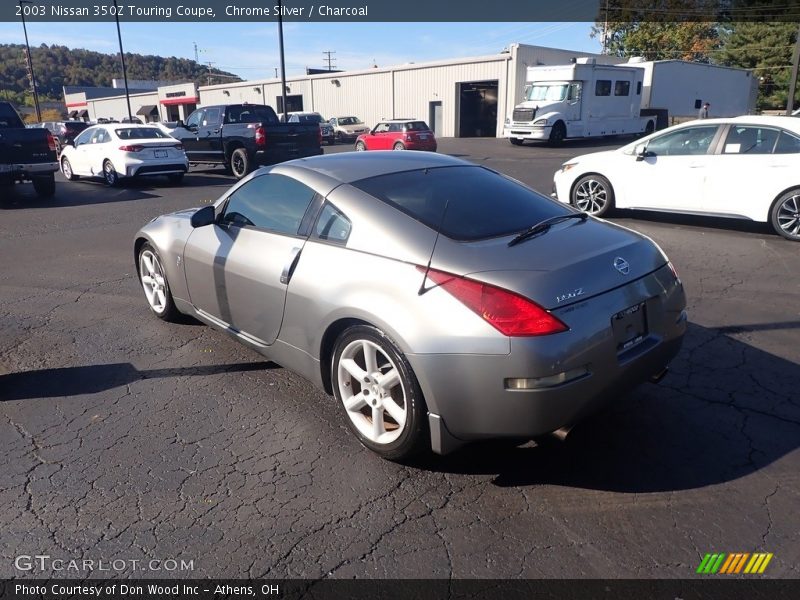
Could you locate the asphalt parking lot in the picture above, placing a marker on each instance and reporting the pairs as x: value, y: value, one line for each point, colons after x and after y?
x: 126, y: 438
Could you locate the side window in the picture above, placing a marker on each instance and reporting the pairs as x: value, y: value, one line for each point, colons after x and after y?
x: 622, y: 88
x: 382, y: 128
x: 395, y: 127
x: 211, y: 117
x: 574, y: 92
x: 602, y: 87
x: 84, y: 137
x: 638, y: 88
x: 332, y: 225
x: 750, y: 140
x: 273, y: 202
x: 98, y: 137
x: 688, y: 141
x: 195, y: 118
x: 787, y: 144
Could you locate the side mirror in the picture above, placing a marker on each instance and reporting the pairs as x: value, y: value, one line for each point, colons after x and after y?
x: 642, y: 152
x: 204, y: 216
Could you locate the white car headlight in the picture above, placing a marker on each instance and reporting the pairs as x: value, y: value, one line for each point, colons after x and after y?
x: 567, y: 166
x: 540, y: 123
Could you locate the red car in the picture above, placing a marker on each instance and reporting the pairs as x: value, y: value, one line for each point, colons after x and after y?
x: 398, y: 134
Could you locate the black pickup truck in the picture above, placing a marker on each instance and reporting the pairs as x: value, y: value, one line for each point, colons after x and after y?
x: 243, y: 136
x: 25, y: 154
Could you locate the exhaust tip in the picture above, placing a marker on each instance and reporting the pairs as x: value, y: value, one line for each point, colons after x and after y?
x: 656, y: 377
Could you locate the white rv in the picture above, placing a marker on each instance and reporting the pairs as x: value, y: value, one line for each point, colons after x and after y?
x: 583, y: 99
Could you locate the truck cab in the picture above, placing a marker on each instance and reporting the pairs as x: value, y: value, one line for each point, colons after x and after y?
x: 577, y: 101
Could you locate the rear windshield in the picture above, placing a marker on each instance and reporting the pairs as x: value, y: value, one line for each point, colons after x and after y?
x: 251, y: 113
x: 9, y: 118
x: 416, y: 126
x: 309, y: 119
x: 140, y: 133
x: 480, y: 203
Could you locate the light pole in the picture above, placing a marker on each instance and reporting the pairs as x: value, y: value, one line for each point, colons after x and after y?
x: 30, y: 61
x: 122, y: 58
x: 283, y: 64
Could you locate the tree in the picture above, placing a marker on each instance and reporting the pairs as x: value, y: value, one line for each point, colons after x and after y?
x: 766, y: 48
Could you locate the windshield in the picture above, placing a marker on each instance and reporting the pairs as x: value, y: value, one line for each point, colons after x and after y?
x: 140, y: 133
x: 548, y: 91
x: 349, y: 121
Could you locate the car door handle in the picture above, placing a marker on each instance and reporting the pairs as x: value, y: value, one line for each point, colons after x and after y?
x: 288, y: 268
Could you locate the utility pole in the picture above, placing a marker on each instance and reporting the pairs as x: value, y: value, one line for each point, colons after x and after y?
x: 122, y: 58
x: 329, y: 59
x: 283, y: 62
x: 30, y: 62
x: 208, y: 80
x: 793, y: 81
x: 196, y: 55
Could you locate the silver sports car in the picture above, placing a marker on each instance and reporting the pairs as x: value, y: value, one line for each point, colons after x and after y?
x: 437, y: 300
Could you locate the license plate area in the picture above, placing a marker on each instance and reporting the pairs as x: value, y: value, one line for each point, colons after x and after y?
x: 160, y: 153
x: 630, y: 326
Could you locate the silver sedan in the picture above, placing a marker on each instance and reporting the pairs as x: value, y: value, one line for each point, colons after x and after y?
x: 438, y: 301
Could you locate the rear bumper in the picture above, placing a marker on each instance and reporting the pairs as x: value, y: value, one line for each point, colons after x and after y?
x: 29, y: 169
x: 471, y: 394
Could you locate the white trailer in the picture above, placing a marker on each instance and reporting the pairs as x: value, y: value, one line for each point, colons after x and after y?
x: 579, y: 100
x: 681, y: 88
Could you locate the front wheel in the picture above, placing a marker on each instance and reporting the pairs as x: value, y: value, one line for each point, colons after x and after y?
x: 45, y: 186
x: 360, y: 146
x: 379, y: 392
x: 557, y: 134
x: 66, y: 169
x: 593, y: 194
x: 398, y: 146
x: 785, y: 215
x: 155, y: 285
x: 240, y: 163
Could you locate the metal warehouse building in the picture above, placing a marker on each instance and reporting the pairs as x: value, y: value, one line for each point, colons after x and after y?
x: 466, y: 97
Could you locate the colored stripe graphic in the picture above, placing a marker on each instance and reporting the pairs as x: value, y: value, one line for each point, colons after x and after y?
x: 734, y: 564
x: 740, y: 564
x: 703, y: 563
x: 728, y: 564
x: 717, y: 564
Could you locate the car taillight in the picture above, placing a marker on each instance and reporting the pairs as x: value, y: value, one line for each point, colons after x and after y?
x: 261, y: 136
x: 133, y: 148
x: 511, y: 314
x: 178, y: 146
x: 319, y: 137
x: 51, y: 142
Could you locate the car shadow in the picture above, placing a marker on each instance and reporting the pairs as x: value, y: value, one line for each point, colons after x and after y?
x: 742, y: 225
x: 726, y: 410
x: 70, y: 194
x: 91, y: 379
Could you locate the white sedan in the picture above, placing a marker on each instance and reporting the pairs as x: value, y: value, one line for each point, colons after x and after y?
x: 744, y: 167
x: 118, y: 150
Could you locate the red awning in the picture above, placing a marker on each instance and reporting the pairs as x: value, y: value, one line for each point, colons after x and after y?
x: 181, y: 100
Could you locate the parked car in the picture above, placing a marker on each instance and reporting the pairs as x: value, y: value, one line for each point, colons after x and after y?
x: 307, y: 118
x: 119, y: 151
x: 743, y: 167
x: 64, y: 132
x: 136, y: 120
x: 398, y: 134
x: 433, y: 315
x: 243, y: 136
x: 26, y: 154
x: 347, y: 129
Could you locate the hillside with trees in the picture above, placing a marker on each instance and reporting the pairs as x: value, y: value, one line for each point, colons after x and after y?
x: 57, y: 66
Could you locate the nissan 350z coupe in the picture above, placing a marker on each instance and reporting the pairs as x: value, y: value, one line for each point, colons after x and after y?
x: 438, y: 301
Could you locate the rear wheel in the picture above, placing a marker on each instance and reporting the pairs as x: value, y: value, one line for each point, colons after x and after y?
x: 593, y: 194
x: 240, y: 163
x: 155, y: 285
x: 110, y: 174
x: 379, y: 392
x: 45, y: 186
x: 399, y: 146
x: 66, y: 169
x: 785, y: 215
x: 360, y: 146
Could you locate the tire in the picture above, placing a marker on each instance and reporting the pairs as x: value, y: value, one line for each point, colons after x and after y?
x: 240, y: 163
x: 175, y: 178
x: 557, y: 134
x: 515, y: 141
x: 45, y: 186
x: 361, y: 147
x: 110, y: 174
x: 593, y: 194
x: 155, y: 285
x: 66, y: 169
x: 784, y: 216
x: 398, y: 146
x: 390, y: 393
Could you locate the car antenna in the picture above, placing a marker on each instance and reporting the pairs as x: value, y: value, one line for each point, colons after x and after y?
x: 422, y: 289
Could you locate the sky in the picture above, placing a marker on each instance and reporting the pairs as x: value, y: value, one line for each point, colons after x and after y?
x: 250, y: 50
